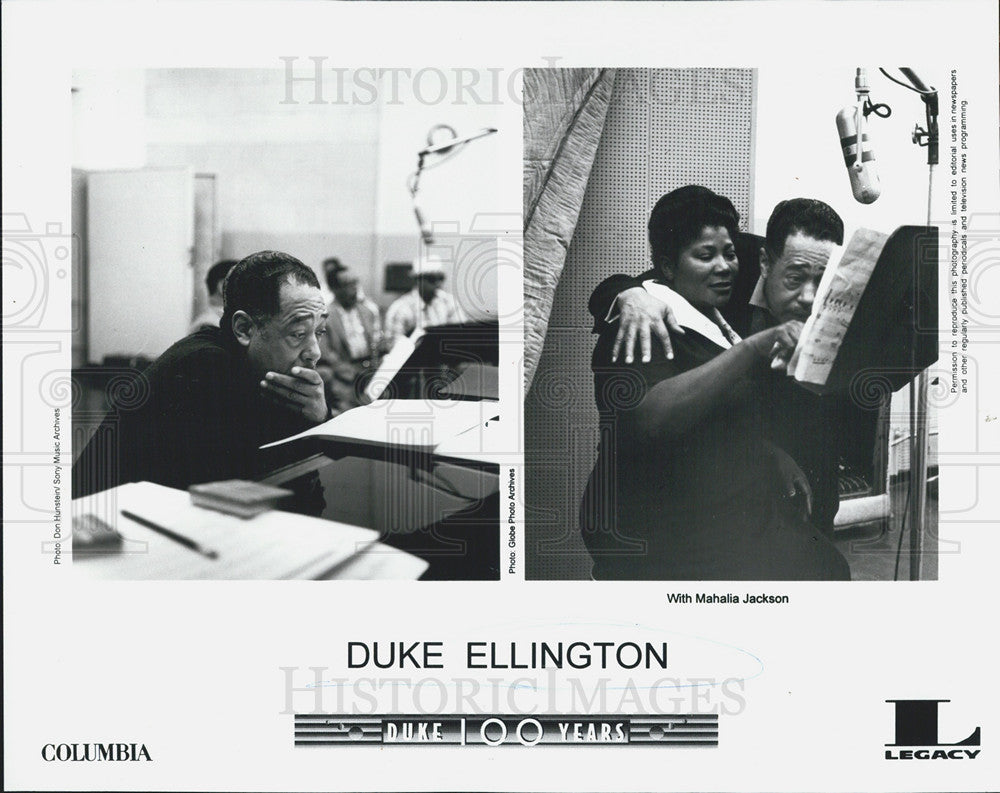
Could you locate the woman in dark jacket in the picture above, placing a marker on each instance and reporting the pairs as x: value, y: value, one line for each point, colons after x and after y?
x: 685, y: 485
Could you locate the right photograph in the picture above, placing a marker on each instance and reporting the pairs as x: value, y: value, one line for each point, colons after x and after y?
x: 731, y: 323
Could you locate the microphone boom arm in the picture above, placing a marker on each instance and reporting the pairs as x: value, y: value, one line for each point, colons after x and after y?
x: 928, y: 94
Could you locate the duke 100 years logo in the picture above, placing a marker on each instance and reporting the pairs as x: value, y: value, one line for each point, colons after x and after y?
x: 505, y: 730
x: 917, y: 728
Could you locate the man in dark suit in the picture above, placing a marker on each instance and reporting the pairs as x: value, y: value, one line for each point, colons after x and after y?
x: 352, y: 347
x: 207, y: 404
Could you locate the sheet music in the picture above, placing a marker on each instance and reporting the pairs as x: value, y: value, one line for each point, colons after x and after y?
x: 271, y: 545
x: 410, y: 423
x: 379, y: 562
x: 484, y: 442
x: 391, y: 363
x: 837, y: 299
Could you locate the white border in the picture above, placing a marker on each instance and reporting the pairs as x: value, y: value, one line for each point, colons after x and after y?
x: 192, y: 670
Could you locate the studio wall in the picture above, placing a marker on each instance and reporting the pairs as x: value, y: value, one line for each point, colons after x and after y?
x: 312, y: 160
x: 665, y: 128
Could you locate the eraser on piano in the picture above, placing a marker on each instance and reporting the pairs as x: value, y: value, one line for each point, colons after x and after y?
x: 91, y: 535
x: 237, y: 496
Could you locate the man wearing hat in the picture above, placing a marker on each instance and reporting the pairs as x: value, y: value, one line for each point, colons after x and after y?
x: 424, y: 306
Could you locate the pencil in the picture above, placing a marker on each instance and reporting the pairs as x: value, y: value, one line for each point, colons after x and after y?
x: 187, y: 542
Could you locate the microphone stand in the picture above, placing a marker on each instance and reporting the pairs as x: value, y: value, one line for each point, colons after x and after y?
x: 919, y: 434
x: 426, y: 238
x: 448, y: 148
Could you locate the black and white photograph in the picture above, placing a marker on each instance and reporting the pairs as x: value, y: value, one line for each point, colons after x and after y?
x: 499, y: 396
x: 732, y: 404
x: 287, y: 348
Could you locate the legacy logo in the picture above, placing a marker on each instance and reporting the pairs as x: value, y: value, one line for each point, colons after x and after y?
x: 917, y: 725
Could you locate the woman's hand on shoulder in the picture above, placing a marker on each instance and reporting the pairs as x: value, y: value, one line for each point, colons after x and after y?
x: 644, y: 316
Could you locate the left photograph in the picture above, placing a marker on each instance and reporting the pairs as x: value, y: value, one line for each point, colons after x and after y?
x: 286, y: 355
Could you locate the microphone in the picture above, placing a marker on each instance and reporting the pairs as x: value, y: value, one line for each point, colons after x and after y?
x: 854, y: 143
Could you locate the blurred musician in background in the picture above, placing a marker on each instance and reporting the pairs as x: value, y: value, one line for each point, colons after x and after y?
x: 353, y: 344
x: 209, y: 318
x: 424, y: 306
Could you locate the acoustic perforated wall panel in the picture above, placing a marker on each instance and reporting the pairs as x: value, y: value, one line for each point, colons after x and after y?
x: 665, y: 128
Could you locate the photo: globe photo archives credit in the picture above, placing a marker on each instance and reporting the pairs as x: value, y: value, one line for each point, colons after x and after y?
x: 500, y: 395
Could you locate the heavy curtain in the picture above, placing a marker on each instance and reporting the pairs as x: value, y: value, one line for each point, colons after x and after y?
x: 565, y: 110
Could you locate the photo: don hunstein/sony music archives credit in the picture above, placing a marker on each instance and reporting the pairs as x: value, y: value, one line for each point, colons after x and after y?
x: 500, y: 396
